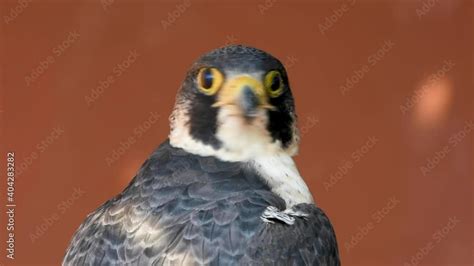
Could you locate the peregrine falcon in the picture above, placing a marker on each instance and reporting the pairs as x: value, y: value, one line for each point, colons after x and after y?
x: 223, y: 188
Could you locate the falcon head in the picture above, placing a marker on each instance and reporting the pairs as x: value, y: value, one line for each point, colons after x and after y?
x: 235, y: 104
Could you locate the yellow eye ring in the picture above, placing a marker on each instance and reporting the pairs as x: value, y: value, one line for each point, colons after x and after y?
x: 274, y: 83
x: 209, y: 80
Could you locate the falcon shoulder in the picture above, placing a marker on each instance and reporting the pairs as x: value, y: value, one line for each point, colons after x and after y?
x: 180, y: 209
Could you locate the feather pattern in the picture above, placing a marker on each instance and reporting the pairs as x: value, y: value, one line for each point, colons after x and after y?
x: 184, y: 209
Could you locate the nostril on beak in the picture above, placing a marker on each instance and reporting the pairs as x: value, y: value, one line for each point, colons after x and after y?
x: 249, y: 101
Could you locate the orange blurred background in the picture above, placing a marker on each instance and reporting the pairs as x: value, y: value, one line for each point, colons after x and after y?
x: 384, y: 94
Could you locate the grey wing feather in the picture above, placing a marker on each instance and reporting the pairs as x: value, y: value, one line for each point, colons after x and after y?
x: 183, y: 209
x: 180, y: 209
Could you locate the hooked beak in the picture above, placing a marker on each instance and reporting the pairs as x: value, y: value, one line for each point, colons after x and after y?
x: 245, y: 92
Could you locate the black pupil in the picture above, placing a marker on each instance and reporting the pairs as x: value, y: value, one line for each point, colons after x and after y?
x: 206, y: 78
x: 275, y: 83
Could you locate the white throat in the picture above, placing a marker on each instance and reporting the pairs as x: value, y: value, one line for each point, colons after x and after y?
x: 280, y: 173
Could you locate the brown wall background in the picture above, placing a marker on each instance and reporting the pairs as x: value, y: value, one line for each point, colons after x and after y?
x: 386, y: 177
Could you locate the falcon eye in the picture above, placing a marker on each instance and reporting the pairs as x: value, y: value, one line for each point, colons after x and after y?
x: 274, y: 83
x: 209, y: 80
